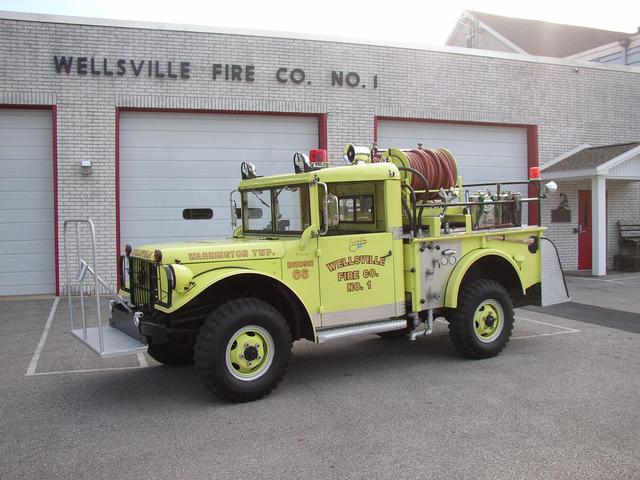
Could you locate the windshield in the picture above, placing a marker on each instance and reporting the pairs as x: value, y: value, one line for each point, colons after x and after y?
x: 276, y: 210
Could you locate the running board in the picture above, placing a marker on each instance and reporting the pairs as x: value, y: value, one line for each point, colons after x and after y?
x: 114, y: 342
x: 331, y: 333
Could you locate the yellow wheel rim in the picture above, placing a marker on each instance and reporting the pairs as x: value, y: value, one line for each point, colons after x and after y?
x: 488, y: 320
x: 249, y: 353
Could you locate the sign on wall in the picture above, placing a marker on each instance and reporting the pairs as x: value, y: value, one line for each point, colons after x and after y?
x: 218, y: 72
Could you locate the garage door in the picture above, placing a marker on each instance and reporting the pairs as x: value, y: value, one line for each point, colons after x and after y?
x: 483, y: 153
x: 27, y: 262
x: 174, y: 163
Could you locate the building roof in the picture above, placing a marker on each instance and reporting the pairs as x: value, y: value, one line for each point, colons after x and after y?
x: 547, y: 39
x: 591, y: 157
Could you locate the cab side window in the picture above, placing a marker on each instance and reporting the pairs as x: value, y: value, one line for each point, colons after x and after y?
x: 360, y: 207
x: 357, y: 209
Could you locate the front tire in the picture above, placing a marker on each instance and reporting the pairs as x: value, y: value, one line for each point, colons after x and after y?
x: 171, y: 355
x: 482, y: 324
x: 242, y: 350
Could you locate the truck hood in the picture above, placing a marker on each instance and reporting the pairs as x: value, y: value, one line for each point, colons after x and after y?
x: 208, y: 251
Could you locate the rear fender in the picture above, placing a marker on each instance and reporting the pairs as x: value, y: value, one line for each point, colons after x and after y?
x: 463, y: 266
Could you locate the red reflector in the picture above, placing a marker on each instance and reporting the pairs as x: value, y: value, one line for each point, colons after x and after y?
x: 318, y: 156
x: 534, y: 173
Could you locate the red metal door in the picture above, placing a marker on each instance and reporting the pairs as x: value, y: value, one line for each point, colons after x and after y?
x: 584, y: 229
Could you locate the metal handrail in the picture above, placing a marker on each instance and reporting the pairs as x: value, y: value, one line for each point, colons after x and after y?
x: 80, y: 277
x: 83, y: 268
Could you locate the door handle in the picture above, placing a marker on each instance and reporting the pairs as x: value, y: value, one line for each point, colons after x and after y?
x: 388, y: 254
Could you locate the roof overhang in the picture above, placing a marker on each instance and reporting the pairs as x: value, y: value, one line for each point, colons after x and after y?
x: 625, y: 166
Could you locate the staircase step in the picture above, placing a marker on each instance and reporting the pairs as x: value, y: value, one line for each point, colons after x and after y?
x: 116, y: 343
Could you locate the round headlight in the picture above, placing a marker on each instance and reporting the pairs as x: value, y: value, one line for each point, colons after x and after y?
x: 182, y: 277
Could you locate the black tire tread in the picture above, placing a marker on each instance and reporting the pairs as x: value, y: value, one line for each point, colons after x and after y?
x: 209, y: 340
x: 461, y: 336
x: 171, y: 355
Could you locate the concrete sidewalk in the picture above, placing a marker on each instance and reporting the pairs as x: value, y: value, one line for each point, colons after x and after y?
x: 617, y: 291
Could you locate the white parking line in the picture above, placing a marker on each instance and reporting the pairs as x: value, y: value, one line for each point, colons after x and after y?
x: 543, y: 335
x: 33, y: 364
x: 140, y: 356
x: 87, y: 370
x: 31, y: 370
x: 141, y: 360
x: 569, y: 330
x: 564, y: 329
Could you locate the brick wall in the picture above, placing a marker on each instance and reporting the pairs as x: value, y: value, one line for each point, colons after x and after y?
x: 571, y: 107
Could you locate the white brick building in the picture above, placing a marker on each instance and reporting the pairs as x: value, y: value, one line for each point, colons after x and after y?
x: 136, y: 94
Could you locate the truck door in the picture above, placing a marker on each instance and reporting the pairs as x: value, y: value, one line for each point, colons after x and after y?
x: 356, y: 261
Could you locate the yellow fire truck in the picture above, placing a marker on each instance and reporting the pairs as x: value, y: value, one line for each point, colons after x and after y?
x: 383, y: 245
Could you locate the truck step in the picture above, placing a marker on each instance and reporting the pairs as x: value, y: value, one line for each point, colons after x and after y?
x: 116, y: 343
x: 378, y: 326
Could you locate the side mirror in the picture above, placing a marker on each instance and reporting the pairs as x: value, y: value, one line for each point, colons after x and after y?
x: 333, y: 215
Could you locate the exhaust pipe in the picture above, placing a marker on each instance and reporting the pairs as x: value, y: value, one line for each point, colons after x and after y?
x: 428, y: 326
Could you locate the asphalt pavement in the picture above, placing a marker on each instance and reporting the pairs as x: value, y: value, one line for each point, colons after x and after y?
x: 562, y: 401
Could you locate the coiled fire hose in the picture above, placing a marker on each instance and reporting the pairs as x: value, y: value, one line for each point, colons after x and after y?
x: 424, y: 169
x: 437, y: 166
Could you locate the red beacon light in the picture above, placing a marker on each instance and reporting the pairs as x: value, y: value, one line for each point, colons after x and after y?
x: 318, y: 158
x: 534, y: 173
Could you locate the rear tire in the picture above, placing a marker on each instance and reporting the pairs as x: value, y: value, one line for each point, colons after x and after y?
x: 242, y: 350
x: 171, y: 355
x: 482, y: 324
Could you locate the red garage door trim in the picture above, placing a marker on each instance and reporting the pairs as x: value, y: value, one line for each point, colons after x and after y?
x: 322, y: 142
x: 532, y: 147
x: 54, y: 140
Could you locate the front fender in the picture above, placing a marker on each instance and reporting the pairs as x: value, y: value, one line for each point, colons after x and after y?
x: 460, y: 270
x: 207, y: 279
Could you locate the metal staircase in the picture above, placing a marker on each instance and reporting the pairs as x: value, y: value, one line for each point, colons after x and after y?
x: 106, y: 341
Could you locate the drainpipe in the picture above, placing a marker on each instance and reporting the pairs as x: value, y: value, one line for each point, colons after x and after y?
x: 625, y: 48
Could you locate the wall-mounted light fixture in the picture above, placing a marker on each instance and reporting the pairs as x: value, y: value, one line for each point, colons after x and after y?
x: 86, y: 168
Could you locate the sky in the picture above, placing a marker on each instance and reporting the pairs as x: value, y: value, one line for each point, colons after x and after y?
x: 422, y: 22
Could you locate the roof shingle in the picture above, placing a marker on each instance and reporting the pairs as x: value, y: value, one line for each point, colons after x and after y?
x: 548, y: 39
x: 591, y: 157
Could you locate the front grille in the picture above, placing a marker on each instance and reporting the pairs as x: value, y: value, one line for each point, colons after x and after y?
x: 147, y: 282
x: 142, y: 281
